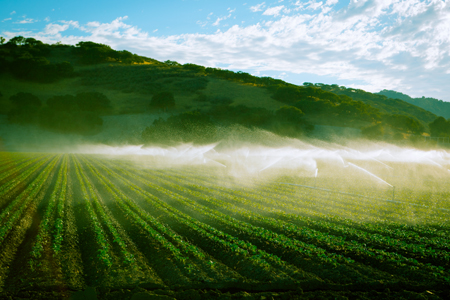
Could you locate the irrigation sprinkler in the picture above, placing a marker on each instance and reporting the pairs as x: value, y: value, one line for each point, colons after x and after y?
x: 271, y: 163
x: 375, y: 176
x: 367, y: 156
x: 370, y: 173
x: 315, y: 177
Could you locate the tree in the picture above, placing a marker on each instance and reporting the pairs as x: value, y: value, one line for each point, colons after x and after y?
x: 192, y: 126
x: 17, y: 40
x: 405, y: 123
x: 79, y: 122
x: 32, y: 42
x: 93, y: 101
x: 163, y: 100
x: 2, y: 40
x: 92, y: 53
x: 287, y: 94
x: 193, y: 67
x: 440, y: 127
x: 172, y: 63
x: 290, y: 122
x: 289, y: 114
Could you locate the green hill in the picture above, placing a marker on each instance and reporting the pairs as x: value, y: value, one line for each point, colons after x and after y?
x: 385, y: 104
x: 438, y: 107
x: 71, y: 89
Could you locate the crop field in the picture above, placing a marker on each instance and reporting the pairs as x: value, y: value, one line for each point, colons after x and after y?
x: 74, y: 225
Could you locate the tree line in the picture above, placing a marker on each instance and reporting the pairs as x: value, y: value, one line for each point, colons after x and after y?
x: 30, y: 59
x: 79, y: 114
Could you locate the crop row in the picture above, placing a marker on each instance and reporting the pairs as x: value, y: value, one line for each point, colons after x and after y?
x: 23, y: 175
x: 210, y: 236
x: 290, y: 249
x: 357, y: 249
x: 14, y: 210
x: 363, y: 232
x: 56, y: 200
x: 317, y: 204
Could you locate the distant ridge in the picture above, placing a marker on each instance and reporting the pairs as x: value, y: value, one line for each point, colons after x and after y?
x: 436, y: 106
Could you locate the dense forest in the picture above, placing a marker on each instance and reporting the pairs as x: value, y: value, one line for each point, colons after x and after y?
x: 189, y: 98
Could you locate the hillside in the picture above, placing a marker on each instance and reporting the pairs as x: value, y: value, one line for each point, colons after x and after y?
x: 438, y: 107
x: 72, y: 89
x: 384, y: 103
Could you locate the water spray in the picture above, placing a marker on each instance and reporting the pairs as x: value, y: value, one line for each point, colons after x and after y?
x: 271, y: 163
x: 371, y: 174
x: 433, y: 162
x: 375, y: 176
x: 315, y: 177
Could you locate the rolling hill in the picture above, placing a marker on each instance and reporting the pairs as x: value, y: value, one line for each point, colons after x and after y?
x: 62, y: 79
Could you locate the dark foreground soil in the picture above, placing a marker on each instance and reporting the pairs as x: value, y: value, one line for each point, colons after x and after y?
x: 140, y: 293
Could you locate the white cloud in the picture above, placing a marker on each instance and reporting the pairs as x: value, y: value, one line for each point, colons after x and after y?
x: 26, y: 21
x: 373, y: 45
x: 273, y: 11
x: 74, y: 24
x: 53, y: 29
x: 155, y: 30
x: 216, y: 23
x: 13, y: 12
x: 312, y: 4
x: 7, y: 19
x: 47, y: 19
x: 258, y: 7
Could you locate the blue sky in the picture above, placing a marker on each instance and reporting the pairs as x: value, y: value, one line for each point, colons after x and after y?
x: 403, y: 45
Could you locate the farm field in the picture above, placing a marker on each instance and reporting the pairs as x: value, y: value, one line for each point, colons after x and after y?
x: 79, y: 225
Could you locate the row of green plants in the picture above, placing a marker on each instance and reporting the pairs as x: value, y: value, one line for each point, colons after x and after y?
x: 6, y: 159
x: 346, y: 239
x: 338, y: 244
x: 17, y: 166
x: 44, y: 237
x: 389, y: 214
x: 211, y: 231
x: 224, y: 243
x: 33, y: 165
x: 145, y: 221
x: 291, y: 249
x: 363, y: 250
x: 103, y: 251
x: 311, y: 203
x: 15, y: 209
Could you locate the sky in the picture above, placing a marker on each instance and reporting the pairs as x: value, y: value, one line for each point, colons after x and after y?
x: 401, y: 45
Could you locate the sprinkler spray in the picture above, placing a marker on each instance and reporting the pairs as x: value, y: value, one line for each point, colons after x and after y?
x: 315, y: 177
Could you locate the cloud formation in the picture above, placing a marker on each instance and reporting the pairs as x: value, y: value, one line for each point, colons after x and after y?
x: 258, y: 7
x: 273, y: 11
x: 371, y: 44
x: 26, y: 21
